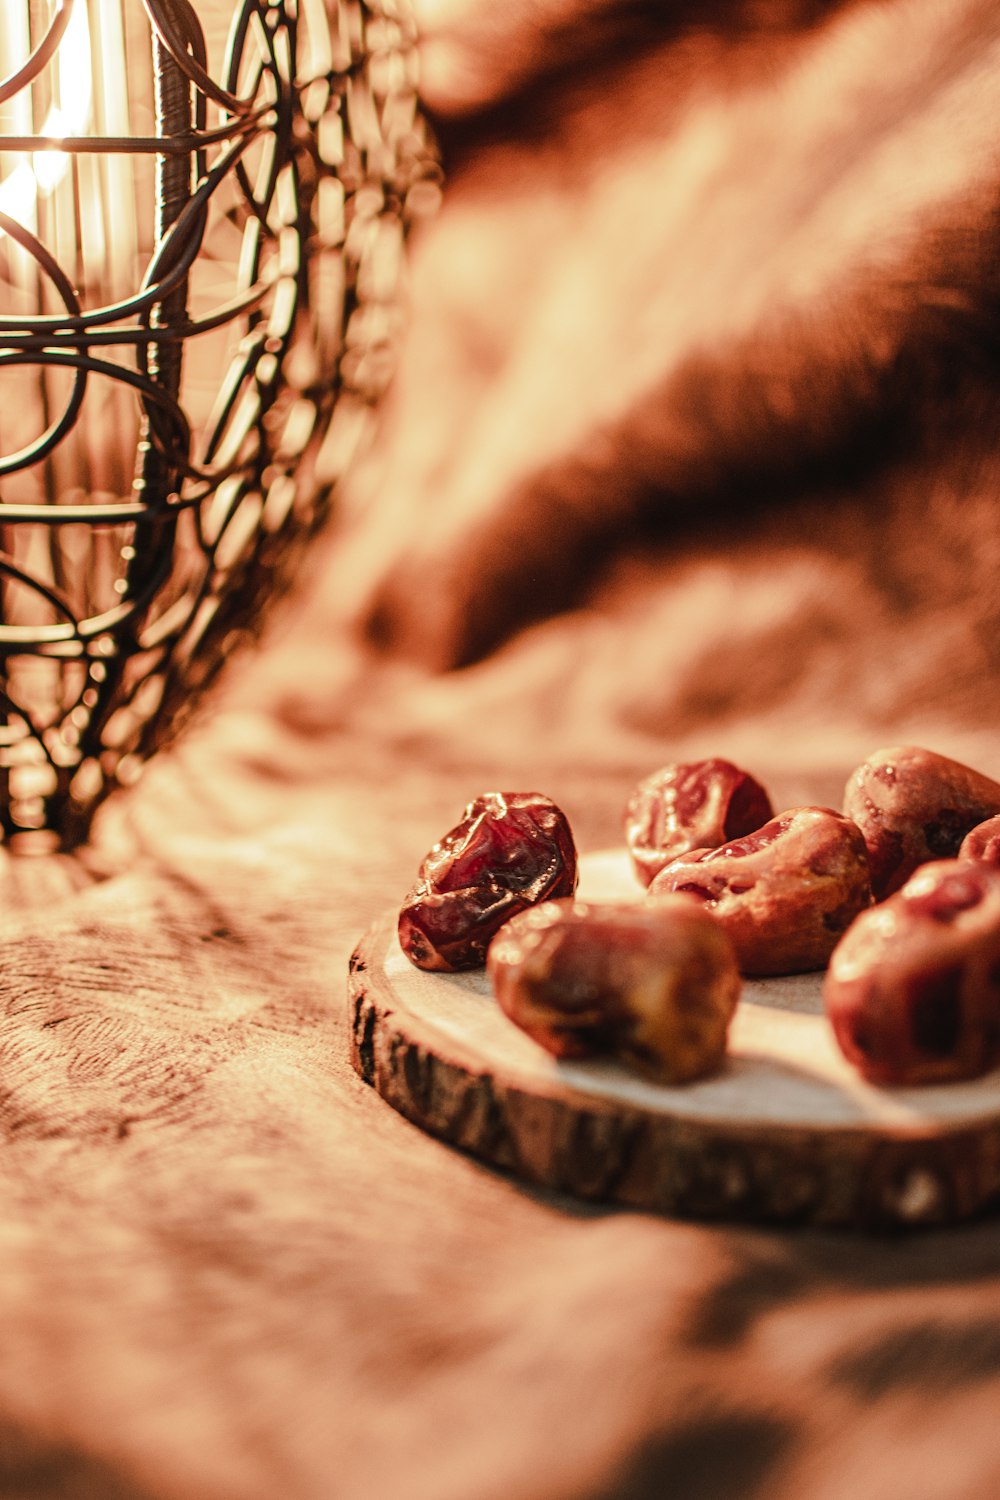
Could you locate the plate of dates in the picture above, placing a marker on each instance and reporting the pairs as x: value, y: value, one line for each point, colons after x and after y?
x: 860, y: 1089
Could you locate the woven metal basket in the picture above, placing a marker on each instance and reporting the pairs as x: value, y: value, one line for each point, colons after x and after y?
x: 202, y: 217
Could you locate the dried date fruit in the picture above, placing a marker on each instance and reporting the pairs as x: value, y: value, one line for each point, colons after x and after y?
x: 510, y: 850
x: 690, y: 805
x: 913, y: 988
x: 785, y: 894
x: 982, y: 842
x: 913, y: 806
x: 654, y: 984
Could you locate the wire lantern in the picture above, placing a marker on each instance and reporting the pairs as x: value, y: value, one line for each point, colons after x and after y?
x: 202, y: 219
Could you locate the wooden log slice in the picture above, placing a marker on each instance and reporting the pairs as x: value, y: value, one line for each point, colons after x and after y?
x: 787, y: 1132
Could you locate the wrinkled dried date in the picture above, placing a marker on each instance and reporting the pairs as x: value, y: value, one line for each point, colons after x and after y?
x: 655, y: 984
x: 510, y: 850
x: 913, y: 988
x: 913, y: 806
x: 982, y: 842
x: 784, y: 894
x: 690, y: 805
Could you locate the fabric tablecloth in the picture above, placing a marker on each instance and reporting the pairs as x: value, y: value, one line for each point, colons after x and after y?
x: 229, y: 1269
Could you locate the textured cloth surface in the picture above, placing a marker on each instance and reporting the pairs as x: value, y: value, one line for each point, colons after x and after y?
x: 228, y: 1269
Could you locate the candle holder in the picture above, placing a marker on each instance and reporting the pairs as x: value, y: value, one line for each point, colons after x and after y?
x: 202, y: 223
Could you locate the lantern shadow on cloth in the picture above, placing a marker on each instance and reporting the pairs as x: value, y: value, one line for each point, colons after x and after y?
x: 201, y: 241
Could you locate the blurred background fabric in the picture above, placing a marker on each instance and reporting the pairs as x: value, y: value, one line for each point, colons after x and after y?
x: 702, y: 372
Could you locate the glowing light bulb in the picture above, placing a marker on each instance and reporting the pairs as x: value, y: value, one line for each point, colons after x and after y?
x: 68, y: 115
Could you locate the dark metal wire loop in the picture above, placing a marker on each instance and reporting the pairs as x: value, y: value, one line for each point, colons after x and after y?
x: 35, y: 452
x: 42, y: 54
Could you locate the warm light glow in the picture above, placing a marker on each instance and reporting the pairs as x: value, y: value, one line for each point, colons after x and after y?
x: 68, y: 115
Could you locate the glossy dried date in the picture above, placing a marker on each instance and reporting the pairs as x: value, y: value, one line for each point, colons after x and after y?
x: 982, y: 842
x: 914, y: 806
x: 510, y: 850
x: 690, y: 805
x: 913, y: 988
x: 785, y: 894
x: 653, y: 983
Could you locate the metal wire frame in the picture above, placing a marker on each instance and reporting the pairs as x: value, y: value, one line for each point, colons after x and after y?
x: 117, y: 608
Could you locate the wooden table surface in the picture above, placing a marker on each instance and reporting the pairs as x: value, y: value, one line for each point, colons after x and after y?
x: 228, y: 1270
